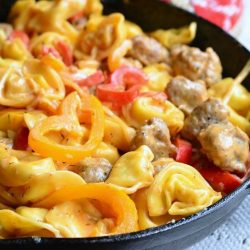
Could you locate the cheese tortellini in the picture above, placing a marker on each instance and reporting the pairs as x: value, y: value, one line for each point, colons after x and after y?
x: 133, y: 170
x: 145, y: 108
x: 177, y: 190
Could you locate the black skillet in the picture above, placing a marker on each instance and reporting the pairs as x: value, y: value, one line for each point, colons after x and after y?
x: 150, y: 15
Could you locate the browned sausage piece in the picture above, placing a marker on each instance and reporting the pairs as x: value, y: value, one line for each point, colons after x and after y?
x: 155, y: 135
x: 148, y: 51
x: 94, y: 170
x: 226, y: 145
x: 186, y: 94
x: 209, y: 112
x: 195, y: 64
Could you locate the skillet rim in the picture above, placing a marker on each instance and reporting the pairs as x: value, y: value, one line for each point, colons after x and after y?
x: 244, y: 187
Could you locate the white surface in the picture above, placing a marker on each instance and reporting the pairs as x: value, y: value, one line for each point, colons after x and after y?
x: 235, y: 233
x: 242, y: 31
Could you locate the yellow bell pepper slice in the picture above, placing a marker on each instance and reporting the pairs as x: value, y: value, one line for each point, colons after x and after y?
x: 239, y: 121
x: 240, y: 99
x: 33, y: 117
x: 68, y: 122
x: 44, y: 184
x: 113, y: 203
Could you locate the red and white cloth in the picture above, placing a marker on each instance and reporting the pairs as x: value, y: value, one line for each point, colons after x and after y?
x: 231, y: 15
x: 224, y: 13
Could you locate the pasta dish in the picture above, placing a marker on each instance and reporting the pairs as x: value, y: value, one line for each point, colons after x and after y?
x: 106, y: 129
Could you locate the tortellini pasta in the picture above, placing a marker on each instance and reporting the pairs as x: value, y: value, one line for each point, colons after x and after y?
x: 44, y: 184
x: 18, y: 167
x: 26, y: 221
x: 21, y: 170
x: 47, y: 39
x: 117, y: 132
x: 145, y: 108
x: 15, y: 50
x: 106, y: 37
x: 177, y: 190
x: 107, y: 151
x: 33, y: 84
x: 238, y: 103
x: 133, y: 170
x: 172, y: 37
x: 45, y: 16
x: 158, y: 77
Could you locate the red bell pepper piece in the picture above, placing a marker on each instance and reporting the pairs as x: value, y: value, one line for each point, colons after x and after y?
x: 21, y: 35
x: 184, y: 151
x: 65, y: 52
x: 112, y: 93
x: 220, y: 180
x: 92, y: 80
x: 124, y: 86
x: 128, y: 76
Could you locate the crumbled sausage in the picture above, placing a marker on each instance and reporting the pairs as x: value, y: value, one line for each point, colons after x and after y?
x: 94, y: 170
x: 155, y: 135
x: 209, y: 112
x: 186, y: 94
x: 148, y: 51
x: 226, y: 145
x: 195, y: 64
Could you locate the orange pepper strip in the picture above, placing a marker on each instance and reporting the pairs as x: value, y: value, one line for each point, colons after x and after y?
x: 68, y: 121
x: 119, y: 203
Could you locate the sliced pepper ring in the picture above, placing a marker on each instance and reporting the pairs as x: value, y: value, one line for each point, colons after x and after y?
x: 69, y: 122
x: 124, y: 87
x: 119, y: 204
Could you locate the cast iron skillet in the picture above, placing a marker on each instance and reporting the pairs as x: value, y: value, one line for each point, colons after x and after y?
x: 151, y: 14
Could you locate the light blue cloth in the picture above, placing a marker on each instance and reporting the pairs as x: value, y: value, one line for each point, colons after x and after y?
x: 233, y: 235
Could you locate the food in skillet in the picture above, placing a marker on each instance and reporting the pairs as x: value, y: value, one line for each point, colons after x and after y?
x: 105, y: 129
